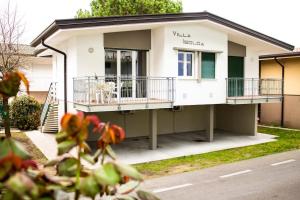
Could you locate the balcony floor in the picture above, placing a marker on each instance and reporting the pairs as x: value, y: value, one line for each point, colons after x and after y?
x: 254, y: 99
x: 124, y: 104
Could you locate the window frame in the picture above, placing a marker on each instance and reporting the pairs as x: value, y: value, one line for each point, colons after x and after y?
x: 185, y: 62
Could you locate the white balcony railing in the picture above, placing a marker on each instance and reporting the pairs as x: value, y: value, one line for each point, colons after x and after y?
x: 111, y: 90
x: 253, y: 88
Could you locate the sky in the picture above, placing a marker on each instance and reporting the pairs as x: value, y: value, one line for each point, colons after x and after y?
x: 279, y: 19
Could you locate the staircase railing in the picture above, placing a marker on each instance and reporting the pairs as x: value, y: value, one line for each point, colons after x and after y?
x: 51, y: 98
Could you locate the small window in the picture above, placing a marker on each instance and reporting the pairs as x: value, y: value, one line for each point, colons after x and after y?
x: 208, y: 65
x: 180, y: 63
x: 185, y: 64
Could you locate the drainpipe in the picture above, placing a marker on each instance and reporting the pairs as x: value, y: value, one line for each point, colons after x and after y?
x: 65, y: 73
x: 259, y: 105
x: 282, y: 102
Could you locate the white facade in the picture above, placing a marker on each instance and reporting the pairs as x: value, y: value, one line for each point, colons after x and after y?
x: 162, y: 61
x: 38, y: 71
x: 203, y: 99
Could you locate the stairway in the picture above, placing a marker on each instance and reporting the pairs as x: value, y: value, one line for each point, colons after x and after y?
x: 49, y: 116
x: 51, y: 121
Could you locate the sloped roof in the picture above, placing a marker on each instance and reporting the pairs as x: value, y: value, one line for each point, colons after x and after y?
x: 280, y: 55
x: 137, y: 19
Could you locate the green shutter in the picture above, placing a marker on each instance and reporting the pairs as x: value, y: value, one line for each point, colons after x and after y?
x: 208, y: 65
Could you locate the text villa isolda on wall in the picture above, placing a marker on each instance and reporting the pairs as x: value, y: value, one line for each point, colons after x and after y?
x: 186, y: 39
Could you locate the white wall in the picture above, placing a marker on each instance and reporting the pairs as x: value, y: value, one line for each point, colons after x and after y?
x: 251, y: 64
x: 39, y: 73
x: 164, y: 62
x: 80, y: 62
x: 89, y: 64
x: 239, y: 119
x: 191, y: 118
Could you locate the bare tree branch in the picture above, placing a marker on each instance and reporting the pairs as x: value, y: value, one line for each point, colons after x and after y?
x: 11, y: 51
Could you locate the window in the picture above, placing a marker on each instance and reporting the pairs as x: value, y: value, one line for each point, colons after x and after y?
x: 208, y: 65
x: 185, y: 64
x: 180, y: 63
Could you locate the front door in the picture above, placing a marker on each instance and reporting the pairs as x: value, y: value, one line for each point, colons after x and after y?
x: 235, y: 76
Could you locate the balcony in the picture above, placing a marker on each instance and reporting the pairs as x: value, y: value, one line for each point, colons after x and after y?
x: 112, y: 93
x: 253, y: 91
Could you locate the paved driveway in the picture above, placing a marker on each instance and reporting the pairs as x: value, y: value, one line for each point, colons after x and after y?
x: 136, y: 150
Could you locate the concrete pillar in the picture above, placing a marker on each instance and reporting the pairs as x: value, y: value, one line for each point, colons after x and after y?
x: 153, y: 129
x: 210, y: 124
x: 255, y: 117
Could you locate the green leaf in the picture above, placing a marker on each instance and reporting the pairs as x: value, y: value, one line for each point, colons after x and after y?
x: 97, y: 154
x: 9, y: 195
x: 87, y: 158
x: 61, y: 136
x: 127, y: 170
x: 146, y: 195
x: 65, y: 146
x: 52, y: 162
x: 21, y: 185
x: 86, y: 147
x: 10, y: 145
x: 107, y: 175
x: 67, y: 167
x: 123, y: 197
x: 128, y: 187
x: 4, y: 170
x: 89, y: 187
x: 110, y: 152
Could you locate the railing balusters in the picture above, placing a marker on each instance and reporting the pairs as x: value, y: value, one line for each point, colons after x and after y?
x: 51, y: 98
x: 252, y: 87
x: 94, y: 90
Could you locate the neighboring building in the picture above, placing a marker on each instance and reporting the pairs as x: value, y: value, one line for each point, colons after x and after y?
x: 284, y: 66
x: 38, y: 71
x: 160, y: 74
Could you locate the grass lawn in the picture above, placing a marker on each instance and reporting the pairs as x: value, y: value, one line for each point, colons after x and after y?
x: 287, y: 140
x: 36, y: 154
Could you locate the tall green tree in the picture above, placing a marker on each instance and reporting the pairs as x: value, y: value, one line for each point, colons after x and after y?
x: 101, y: 8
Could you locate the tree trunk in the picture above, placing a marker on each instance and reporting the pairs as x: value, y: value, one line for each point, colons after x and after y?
x: 6, y: 120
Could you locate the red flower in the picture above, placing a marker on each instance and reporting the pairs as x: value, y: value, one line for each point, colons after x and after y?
x: 72, y: 123
x: 112, y: 134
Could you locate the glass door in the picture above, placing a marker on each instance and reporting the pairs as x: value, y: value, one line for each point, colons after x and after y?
x: 236, y: 76
x: 126, y: 72
x: 127, y: 69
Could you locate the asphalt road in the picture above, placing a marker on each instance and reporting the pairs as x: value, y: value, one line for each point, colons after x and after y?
x: 270, y: 177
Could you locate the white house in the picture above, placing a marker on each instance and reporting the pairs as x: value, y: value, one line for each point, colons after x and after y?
x: 160, y: 74
x: 38, y: 71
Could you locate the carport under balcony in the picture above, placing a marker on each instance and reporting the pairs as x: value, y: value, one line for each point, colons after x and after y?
x: 112, y: 93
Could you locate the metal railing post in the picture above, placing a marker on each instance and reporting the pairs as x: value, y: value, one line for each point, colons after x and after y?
x: 226, y: 80
x: 148, y: 89
x: 169, y: 88
x: 89, y: 91
x: 119, y: 89
x: 252, y: 85
x: 236, y: 88
x: 173, y: 89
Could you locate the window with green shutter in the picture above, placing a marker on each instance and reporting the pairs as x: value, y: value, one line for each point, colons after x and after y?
x: 208, y: 65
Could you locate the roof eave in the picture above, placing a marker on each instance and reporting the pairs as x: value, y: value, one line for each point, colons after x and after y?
x: 118, y: 20
x: 282, y: 55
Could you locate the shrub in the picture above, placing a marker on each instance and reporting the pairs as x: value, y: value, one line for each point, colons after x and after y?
x: 25, y: 112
